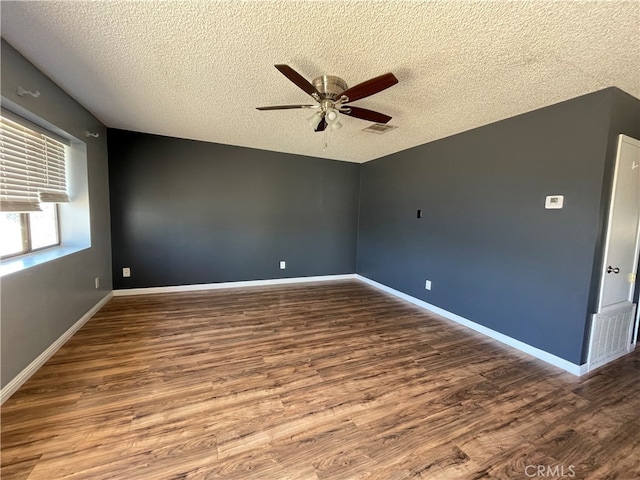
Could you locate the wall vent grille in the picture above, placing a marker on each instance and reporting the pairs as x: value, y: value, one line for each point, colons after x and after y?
x: 611, y: 332
x: 379, y: 128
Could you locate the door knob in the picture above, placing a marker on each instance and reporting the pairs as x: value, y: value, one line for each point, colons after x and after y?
x: 611, y: 269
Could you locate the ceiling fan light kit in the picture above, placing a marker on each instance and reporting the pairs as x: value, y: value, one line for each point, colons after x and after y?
x: 332, y: 94
x: 315, y: 119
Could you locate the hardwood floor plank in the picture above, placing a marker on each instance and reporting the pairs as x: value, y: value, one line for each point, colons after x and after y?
x: 333, y: 380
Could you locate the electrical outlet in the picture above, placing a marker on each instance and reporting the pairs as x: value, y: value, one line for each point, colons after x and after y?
x: 427, y: 284
x: 126, y: 272
x: 283, y: 264
x: 554, y: 202
x: 97, y: 281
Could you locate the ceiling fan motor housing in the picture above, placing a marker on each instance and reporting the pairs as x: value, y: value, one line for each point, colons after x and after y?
x: 329, y: 86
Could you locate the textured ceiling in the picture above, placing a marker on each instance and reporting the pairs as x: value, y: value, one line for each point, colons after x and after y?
x: 198, y: 69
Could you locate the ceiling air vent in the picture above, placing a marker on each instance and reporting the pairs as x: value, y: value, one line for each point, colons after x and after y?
x: 379, y: 128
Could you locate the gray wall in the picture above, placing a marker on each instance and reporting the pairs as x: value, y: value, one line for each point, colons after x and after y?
x: 188, y: 212
x: 40, y: 303
x: 494, y: 254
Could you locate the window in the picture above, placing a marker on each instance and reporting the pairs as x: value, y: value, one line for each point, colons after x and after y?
x: 32, y: 182
x: 28, y: 232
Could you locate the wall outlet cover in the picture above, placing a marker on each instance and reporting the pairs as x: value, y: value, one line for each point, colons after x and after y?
x: 554, y: 202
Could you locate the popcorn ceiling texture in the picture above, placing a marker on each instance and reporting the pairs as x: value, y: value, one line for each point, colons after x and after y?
x: 198, y: 69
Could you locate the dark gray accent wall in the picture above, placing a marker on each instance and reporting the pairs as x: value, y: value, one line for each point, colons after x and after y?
x: 40, y: 303
x: 189, y: 212
x: 493, y: 253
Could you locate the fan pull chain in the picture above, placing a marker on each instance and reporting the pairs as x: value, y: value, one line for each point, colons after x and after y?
x: 326, y: 141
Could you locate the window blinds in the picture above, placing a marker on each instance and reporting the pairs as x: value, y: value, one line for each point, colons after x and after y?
x: 32, y: 168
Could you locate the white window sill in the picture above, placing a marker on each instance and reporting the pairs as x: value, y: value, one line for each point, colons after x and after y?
x: 30, y: 260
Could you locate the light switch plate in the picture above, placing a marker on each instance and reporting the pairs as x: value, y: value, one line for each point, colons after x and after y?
x: 554, y: 202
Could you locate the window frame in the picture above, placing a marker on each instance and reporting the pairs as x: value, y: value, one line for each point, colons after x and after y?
x: 45, y: 155
x: 25, y: 230
x: 74, y: 214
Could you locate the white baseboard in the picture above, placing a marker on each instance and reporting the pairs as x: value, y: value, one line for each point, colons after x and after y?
x: 242, y: 284
x: 512, y: 342
x: 25, y: 374
x: 11, y: 387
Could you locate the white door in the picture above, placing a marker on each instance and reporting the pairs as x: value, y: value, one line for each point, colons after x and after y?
x: 621, y: 247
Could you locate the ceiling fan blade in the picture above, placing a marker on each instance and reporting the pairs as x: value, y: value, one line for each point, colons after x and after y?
x: 285, y: 107
x: 322, y: 125
x: 365, y: 114
x: 370, y: 87
x: 298, y: 79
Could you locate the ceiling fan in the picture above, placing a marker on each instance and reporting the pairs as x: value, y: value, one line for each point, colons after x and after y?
x: 333, y: 95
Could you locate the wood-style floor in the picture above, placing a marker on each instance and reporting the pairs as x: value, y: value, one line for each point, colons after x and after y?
x: 314, y: 381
